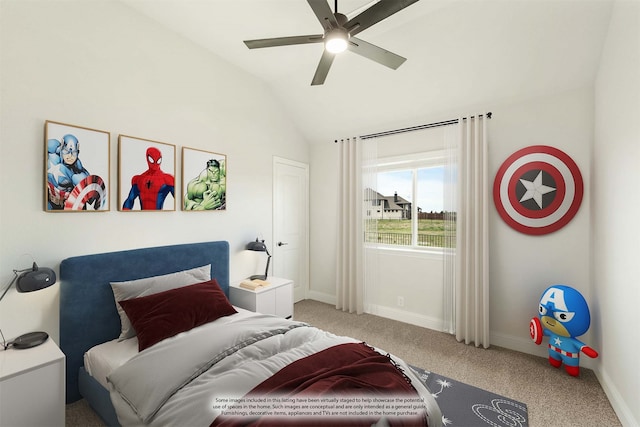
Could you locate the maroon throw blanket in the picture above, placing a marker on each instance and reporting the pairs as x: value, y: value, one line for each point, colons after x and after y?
x: 297, y: 394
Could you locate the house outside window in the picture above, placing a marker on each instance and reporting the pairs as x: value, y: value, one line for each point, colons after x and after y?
x: 406, y: 207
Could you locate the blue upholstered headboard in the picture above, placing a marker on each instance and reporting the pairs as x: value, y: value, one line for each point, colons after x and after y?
x: 88, y: 314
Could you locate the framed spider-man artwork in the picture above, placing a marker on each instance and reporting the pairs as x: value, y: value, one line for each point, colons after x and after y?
x: 76, y: 168
x: 146, y: 175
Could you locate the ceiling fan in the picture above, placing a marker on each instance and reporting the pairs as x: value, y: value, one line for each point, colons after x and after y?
x: 339, y: 35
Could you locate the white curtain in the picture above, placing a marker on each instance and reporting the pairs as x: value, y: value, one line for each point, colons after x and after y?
x: 356, y: 177
x: 466, y: 266
x: 451, y: 147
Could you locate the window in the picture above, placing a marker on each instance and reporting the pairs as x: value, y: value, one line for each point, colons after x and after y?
x: 406, y: 207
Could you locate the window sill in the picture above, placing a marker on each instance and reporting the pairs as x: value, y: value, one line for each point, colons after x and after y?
x: 418, y: 252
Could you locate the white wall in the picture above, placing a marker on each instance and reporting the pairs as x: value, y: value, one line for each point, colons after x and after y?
x: 521, y: 266
x: 596, y: 252
x: 102, y: 65
x: 615, y: 206
x: 415, y: 277
x: 323, y: 186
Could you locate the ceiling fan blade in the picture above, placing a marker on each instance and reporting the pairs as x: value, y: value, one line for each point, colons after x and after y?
x: 323, y: 13
x: 375, y: 53
x: 323, y: 68
x: 376, y: 13
x: 283, y: 41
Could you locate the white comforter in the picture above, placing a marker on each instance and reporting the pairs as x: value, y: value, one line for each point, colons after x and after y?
x: 180, y: 380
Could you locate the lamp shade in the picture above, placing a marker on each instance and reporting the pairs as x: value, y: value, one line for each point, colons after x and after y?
x: 31, y: 279
x: 257, y: 245
x: 35, y: 279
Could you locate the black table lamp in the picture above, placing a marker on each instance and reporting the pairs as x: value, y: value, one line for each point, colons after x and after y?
x: 29, y: 280
x: 259, y: 246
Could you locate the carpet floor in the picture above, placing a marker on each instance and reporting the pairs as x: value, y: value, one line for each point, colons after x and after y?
x: 553, y: 398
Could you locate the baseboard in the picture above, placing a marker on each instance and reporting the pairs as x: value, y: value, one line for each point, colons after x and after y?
x: 405, y: 316
x: 321, y: 297
x: 523, y: 345
x: 386, y: 312
x: 620, y: 406
x: 526, y: 345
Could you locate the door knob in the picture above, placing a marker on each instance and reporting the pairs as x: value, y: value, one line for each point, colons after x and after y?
x: 282, y: 243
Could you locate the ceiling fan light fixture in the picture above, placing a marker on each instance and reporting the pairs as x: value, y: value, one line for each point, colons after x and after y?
x: 340, y: 34
x: 336, y: 40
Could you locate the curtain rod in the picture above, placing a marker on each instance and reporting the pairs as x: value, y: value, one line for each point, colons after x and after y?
x: 419, y: 127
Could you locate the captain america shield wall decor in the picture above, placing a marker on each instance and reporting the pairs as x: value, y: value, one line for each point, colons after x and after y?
x: 538, y: 190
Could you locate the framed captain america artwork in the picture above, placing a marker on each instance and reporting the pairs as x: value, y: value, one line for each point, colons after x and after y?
x: 77, y: 168
x: 538, y: 190
x: 146, y: 175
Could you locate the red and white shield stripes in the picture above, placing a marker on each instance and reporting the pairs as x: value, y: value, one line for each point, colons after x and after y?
x: 538, y: 190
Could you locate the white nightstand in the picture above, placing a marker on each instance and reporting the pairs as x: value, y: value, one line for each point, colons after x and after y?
x: 32, y: 386
x: 277, y: 298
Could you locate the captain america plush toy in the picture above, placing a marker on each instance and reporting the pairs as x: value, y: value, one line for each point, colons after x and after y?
x: 563, y: 314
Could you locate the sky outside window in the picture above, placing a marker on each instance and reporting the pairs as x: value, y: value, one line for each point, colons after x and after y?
x: 430, y: 186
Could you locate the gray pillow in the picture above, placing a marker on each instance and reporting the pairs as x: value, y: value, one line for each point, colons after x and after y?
x: 153, y: 285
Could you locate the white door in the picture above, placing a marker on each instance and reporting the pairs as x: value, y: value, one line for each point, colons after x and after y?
x: 291, y: 224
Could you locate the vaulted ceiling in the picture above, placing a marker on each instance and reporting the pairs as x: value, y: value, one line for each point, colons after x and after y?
x: 460, y: 54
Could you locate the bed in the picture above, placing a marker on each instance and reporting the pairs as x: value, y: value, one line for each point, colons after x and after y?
x: 172, y: 353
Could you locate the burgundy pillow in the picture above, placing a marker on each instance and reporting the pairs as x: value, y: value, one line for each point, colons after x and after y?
x: 165, y: 314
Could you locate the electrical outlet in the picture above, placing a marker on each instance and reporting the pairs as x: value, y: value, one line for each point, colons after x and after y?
x: 400, y: 301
